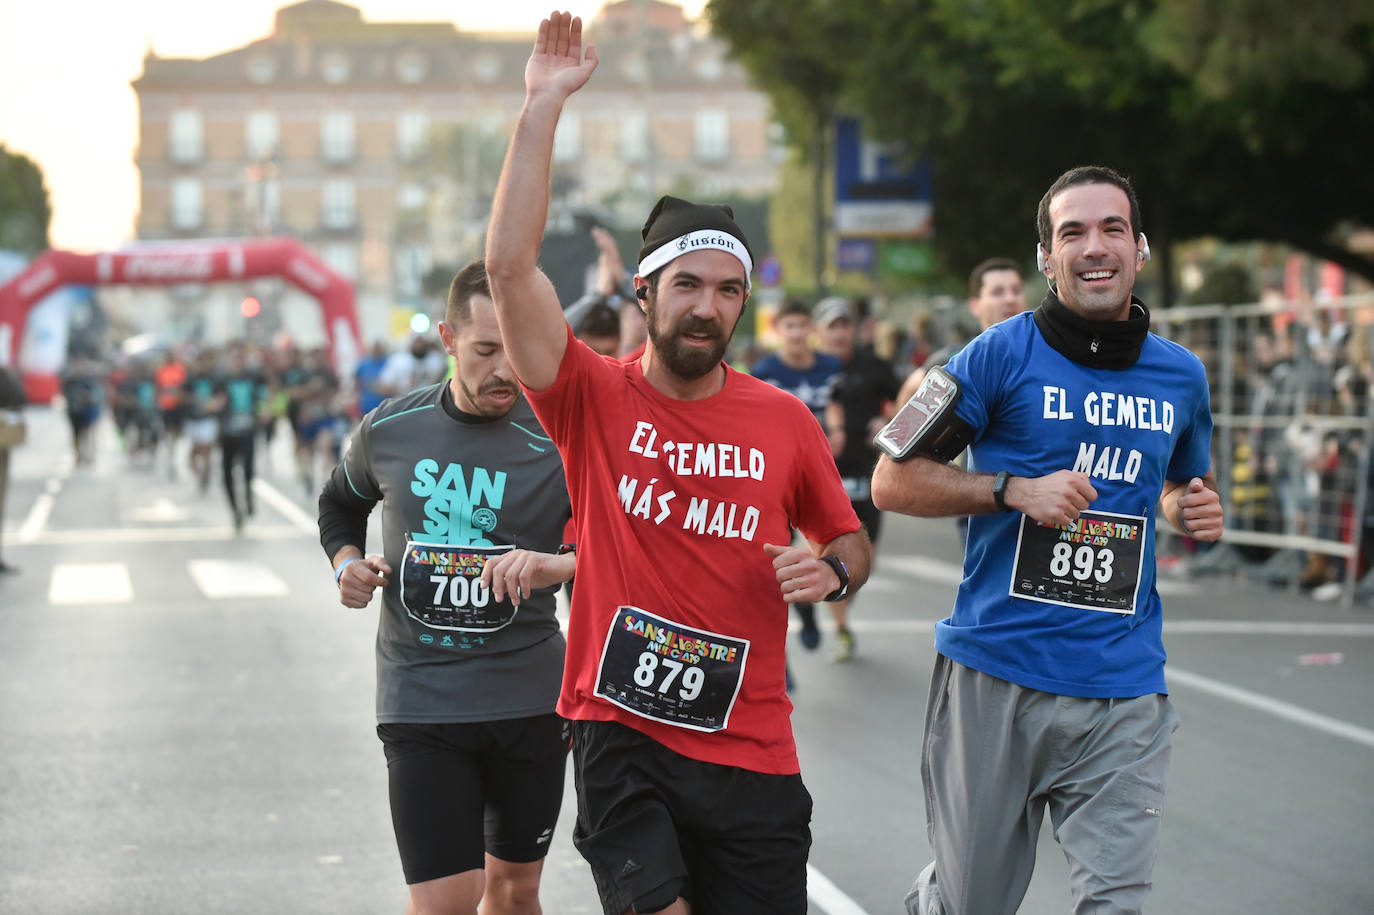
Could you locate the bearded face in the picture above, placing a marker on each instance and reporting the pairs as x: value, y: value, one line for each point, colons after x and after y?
x: 692, y: 347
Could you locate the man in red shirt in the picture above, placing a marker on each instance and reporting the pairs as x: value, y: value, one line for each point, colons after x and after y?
x: 685, y: 478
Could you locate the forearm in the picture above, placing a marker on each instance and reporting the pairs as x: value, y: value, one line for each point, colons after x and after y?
x: 521, y: 205
x: 929, y: 489
x: 527, y: 309
x: 342, y: 520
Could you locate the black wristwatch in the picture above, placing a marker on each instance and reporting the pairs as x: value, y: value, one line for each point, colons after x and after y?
x: 842, y: 573
x: 999, y: 491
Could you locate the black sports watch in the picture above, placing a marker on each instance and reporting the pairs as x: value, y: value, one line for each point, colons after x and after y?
x: 842, y: 573
x: 999, y: 491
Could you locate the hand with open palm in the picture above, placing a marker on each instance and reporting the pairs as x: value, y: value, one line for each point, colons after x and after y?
x: 557, y: 67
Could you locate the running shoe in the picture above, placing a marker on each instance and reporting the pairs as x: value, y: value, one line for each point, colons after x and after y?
x: 845, y: 651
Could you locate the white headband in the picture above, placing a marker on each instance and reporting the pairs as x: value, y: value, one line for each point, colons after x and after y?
x: 695, y: 241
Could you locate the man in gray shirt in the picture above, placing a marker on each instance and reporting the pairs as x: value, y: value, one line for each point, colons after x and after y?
x: 469, y: 654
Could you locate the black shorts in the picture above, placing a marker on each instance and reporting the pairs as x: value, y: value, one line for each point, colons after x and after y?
x: 655, y: 825
x: 461, y: 790
x: 870, y: 517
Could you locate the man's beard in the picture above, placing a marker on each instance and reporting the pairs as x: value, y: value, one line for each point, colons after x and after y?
x: 688, y: 362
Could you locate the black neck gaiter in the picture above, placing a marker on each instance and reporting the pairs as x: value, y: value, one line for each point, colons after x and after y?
x: 1096, y: 344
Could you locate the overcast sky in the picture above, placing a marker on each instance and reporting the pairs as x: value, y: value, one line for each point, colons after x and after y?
x: 66, y: 66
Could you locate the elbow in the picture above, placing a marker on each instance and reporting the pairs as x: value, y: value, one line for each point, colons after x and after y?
x: 884, y: 489
x: 501, y: 267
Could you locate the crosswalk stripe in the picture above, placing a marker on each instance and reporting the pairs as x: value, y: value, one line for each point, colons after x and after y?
x: 224, y: 578
x: 90, y: 583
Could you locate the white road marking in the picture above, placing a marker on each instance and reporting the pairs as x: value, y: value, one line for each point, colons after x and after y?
x: 293, y: 512
x: 111, y: 535
x: 1266, y: 627
x: 38, y: 515
x: 1276, y: 707
x: 162, y: 510
x: 36, y: 519
x: 223, y: 578
x: 829, y: 897
x: 90, y: 583
x: 945, y: 573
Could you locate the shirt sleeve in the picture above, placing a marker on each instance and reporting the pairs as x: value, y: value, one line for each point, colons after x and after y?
x: 561, y: 403
x: 349, y: 495
x: 1192, y: 455
x: 980, y: 368
x: 818, y: 505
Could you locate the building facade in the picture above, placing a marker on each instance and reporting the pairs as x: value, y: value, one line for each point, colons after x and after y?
x: 379, y: 144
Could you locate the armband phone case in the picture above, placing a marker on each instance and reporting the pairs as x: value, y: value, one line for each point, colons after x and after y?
x: 923, y: 420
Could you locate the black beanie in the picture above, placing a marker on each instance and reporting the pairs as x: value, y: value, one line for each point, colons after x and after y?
x: 676, y: 226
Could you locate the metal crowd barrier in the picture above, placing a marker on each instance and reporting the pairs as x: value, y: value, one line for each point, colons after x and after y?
x: 1290, y: 386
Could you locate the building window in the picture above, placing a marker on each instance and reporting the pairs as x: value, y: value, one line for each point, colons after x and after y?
x: 412, y: 263
x: 336, y: 136
x: 567, y: 138
x: 412, y: 134
x: 411, y: 67
x: 411, y: 197
x: 261, y: 134
x: 261, y: 68
x: 335, y: 67
x: 712, y: 137
x: 486, y: 67
x: 634, y: 136
x: 777, y: 143
x: 342, y: 258
x: 187, y: 135
x: 338, y: 203
x: 188, y: 203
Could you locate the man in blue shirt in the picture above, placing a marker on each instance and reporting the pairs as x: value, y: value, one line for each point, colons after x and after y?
x: 810, y: 375
x: 1048, y: 686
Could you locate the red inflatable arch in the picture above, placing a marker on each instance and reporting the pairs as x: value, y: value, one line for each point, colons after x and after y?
x: 182, y: 262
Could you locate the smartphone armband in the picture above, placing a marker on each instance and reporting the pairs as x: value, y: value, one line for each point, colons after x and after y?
x: 926, y: 424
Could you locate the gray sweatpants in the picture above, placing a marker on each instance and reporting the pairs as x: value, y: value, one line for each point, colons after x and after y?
x: 995, y: 754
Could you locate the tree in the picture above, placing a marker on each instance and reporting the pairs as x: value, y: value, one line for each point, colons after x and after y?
x: 25, y: 212
x: 1242, y: 119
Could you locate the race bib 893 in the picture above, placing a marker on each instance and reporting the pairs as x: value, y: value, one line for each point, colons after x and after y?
x: 1092, y: 563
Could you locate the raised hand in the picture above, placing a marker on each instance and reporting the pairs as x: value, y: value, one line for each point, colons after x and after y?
x: 557, y: 67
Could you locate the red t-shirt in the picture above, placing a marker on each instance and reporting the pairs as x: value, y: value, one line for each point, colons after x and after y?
x: 678, y: 626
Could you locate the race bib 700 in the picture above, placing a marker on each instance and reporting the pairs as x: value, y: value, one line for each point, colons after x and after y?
x: 441, y: 586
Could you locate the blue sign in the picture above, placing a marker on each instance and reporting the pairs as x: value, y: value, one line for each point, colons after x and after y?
x: 769, y: 270
x: 879, y: 190
x: 856, y: 254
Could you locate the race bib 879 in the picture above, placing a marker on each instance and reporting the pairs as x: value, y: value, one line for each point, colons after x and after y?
x: 670, y: 672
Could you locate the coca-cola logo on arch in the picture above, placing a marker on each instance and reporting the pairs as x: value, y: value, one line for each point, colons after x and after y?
x: 165, y: 268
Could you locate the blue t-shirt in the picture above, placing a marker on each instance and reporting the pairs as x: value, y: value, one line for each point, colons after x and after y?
x: 1073, y: 610
x: 812, y: 386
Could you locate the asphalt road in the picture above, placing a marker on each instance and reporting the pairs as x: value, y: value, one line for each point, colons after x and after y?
x: 186, y: 721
